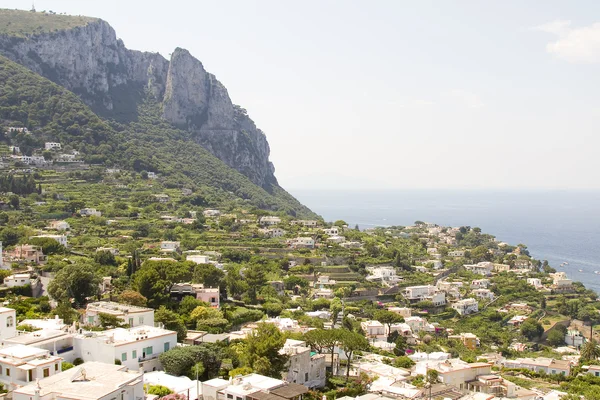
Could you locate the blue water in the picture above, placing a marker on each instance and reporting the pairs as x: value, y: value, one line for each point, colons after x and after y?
x: 558, y: 226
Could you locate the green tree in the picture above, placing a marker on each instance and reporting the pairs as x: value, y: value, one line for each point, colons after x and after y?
x: 109, y: 321
x: 171, y: 321
x: 181, y: 360
x: 350, y: 343
x: 159, y: 390
x: 590, y: 351
x: 209, y: 275
x: 262, y: 348
x: 105, y: 258
x: 255, y: 278
x: 387, y: 318
x: 74, y: 281
x: 155, y: 279
x: 532, y: 329
x: 556, y: 338
x: 324, y: 340
x: 133, y: 298
x: 49, y: 246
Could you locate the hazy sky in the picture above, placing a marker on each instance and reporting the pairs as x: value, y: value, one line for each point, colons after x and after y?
x: 394, y: 94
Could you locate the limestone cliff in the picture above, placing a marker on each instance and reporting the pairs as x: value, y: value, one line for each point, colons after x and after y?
x: 90, y: 61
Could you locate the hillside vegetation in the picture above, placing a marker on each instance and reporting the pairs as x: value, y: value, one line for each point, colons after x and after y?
x: 53, y: 113
x: 18, y: 23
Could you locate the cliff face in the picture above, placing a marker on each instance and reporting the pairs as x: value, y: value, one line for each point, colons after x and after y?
x: 90, y: 61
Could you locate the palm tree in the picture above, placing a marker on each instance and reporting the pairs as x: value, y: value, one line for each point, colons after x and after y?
x: 590, y: 351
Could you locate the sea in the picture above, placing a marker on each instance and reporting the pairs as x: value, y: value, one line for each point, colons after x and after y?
x: 562, y: 227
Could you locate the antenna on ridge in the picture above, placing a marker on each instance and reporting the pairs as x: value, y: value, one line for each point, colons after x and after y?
x: 33, y: 6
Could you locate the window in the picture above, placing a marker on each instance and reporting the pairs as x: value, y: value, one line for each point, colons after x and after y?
x: 30, y: 375
x: 134, y: 354
x: 46, y: 372
x: 141, y: 320
x: 167, y: 346
x: 230, y: 396
x: 306, y: 377
x: 56, y: 367
x: 148, y: 350
x: 213, y: 299
x: 7, y: 371
x: 130, y: 322
x: 238, y: 398
x: 123, y: 356
x: 90, y: 320
x: 10, y: 322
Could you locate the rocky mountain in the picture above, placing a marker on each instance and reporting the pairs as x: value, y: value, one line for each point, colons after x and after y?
x: 85, y: 56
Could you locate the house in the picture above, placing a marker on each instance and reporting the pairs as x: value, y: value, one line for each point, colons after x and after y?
x: 469, y: 340
x: 351, y: 245
x: 252, y: 387
x: 58, y: 342
x: 303, y: 243
x: 130, y: 315
x: 547, y: 365
x: 135, y: 348
x: 517, y: 320
x: 59, y: 225
x: 27, y: 253
x: 535, y: 282
x: 383, y: 274
x: 98, y: 381
x: 269, y: 220
x: 561, y: 283
x: 574, y: 338
x: 305, y: 223
x: 61, y: 239
x: 373, y: 329
x: 425, y: 293
x: 206, y: 294
x: 336, y: 239
x: 304, y: 367
x: 480, y: 283
x: 333, y: 231
x: 594, y: 370
x: 455, y: 372
x: 403, y: 311
x: 418, y: 324
x: 466, y: 306
x: 273, y: 232
x: 484, y: 294
x: 152, y: 175
x: 16, y: 280
x: 456, y: 253
x: 169, y: 246
x: 51, y: 146
x: 20, y: 365
x: 198, y: 258
x: 8, y: 323
x: 484, y: 268
x: 501, y: 267
x: 517, y: 307
x: 522, y: 264
x: 90, y: 212
x: 451, y: 288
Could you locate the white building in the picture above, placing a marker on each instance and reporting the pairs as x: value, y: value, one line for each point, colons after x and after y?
x: 333, y: 231
x: 169, y: 246
x: 198, y: 258
x: 135, y: 348
x: 484, y: 268
x: 304, y: 368
x: 403, y: 311
x: 111, y: 250
x: 373, y: 329
x: 425, y: 293
x: 535, y: 282
x: 303, y: 242
x: 89, y: 381
x: 21, y: 365
x: 273, y: 232
x: 59, y: 225
x: 131, y: 315
x: 8, y: 323
x: 251, y: 387
x: 306, y: 223
x: 548, y: 365
x: 456, y: 253
x: 418, y: 324
x: 90, y: 212
x: 383, y: 274
x: 16, y: 280
x: 269, y: 220
x: 480, y: 283
x: 51, y: 146
x: 211, y: 213
x: 485, y: 294
x: 61, y: 239
x: 466, y: 306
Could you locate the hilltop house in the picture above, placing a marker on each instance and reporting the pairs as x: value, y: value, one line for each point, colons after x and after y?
x: 425, y: 293
x: 269, y: 220
x: 131, y: 315
x: 21, y: 365
x: 483, y: 268
x: 59, y: 225
x: 304, y: 367
x: 466, y: 306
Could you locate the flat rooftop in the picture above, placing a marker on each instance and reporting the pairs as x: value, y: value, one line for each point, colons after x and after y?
x: 111, y: 307
x: 120, y: 336
x: 91, y: 380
